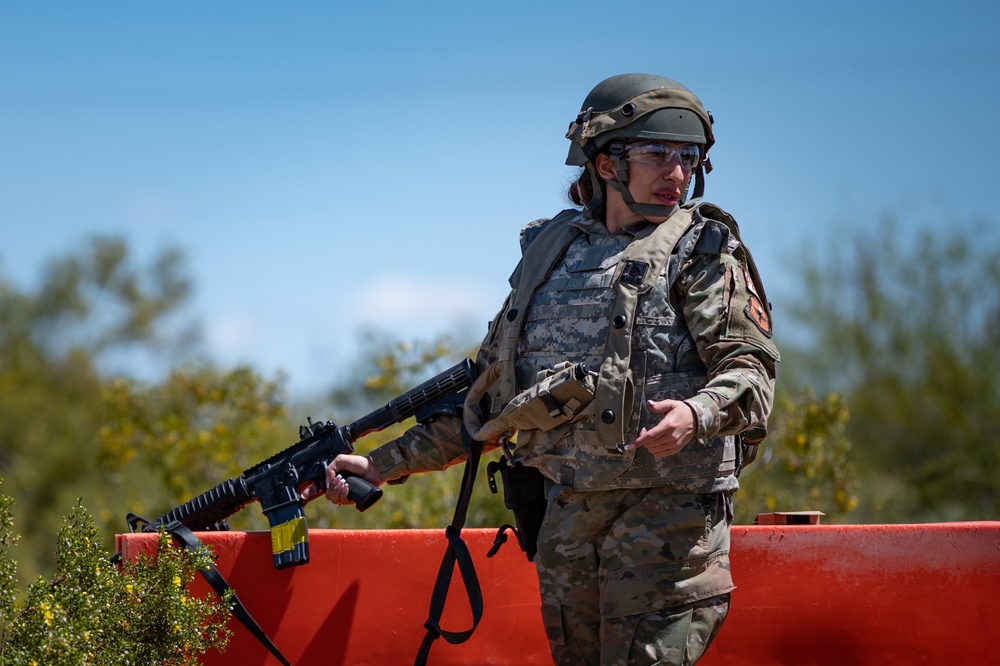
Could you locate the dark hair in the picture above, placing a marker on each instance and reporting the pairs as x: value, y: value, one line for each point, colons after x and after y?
x: 581, y: 191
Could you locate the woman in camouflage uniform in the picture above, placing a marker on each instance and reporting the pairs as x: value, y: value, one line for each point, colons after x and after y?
x: 654, y: 296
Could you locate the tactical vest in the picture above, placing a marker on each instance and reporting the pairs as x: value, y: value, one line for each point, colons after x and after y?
x: 585, y: 453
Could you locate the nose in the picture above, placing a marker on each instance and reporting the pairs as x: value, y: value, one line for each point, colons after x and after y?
x: 674, y: 173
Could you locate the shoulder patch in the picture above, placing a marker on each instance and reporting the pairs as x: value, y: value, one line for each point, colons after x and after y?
x: 757, y: 312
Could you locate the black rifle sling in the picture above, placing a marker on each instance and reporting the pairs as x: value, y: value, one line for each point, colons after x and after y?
x: 221, y: 587
x: 457, y: 552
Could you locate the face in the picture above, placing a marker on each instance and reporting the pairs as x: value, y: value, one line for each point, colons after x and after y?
x: 658, y: 173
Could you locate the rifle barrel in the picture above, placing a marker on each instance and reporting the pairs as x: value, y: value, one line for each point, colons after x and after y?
x: 399, y: 409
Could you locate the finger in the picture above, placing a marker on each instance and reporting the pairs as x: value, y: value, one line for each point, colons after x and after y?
x: 337, y: 490
x: 638, y: 441
x: 663, y: 406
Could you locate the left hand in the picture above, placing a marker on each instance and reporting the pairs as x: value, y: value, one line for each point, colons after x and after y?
x: 672, y: 433
x: 336, y: 487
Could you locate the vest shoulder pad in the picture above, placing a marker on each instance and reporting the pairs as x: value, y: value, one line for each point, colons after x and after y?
x: 716, y: 228
x: 713, y: 239
x: 531, y: 230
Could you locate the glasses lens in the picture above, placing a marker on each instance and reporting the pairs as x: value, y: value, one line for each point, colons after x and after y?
x: 660, y: 154
x: 689, y: 155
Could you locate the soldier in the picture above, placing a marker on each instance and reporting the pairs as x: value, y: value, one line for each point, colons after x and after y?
x: 645, y: 303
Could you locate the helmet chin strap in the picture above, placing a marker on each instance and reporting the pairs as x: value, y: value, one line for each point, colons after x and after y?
x: 644, y: 209
x: 620, y: 160
x: 594, y: 207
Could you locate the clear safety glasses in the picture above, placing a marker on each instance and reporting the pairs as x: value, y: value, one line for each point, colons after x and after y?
x: 661, y: 154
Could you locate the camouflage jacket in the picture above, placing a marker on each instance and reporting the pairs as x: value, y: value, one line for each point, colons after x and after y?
x: 700, y: 333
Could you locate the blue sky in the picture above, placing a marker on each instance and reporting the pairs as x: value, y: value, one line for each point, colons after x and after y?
x: 330, y: 166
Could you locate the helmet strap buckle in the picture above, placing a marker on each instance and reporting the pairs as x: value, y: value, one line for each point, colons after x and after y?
x: 619, y: 157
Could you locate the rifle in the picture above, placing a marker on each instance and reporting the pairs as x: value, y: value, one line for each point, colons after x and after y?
x: 277, y: 483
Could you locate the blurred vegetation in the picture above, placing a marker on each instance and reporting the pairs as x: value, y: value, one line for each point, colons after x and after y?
x: 804, y: 464
x: 94, y: 612
x: 91, y: 311
x: 161, y: 444
x: 885, y: 411
x: 905, y: 326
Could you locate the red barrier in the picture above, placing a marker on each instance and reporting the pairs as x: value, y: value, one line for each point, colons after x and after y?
x: 819, y: 594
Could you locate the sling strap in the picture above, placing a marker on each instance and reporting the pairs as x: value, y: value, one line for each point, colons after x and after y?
x: 457, y: 553
x: 211, y: 574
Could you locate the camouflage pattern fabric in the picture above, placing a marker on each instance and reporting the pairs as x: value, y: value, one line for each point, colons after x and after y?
x: 633, y: 558
x: 691, y: 339
x: 633, y: 577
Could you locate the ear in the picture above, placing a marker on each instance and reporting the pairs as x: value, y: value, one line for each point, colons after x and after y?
x: 605, y: 167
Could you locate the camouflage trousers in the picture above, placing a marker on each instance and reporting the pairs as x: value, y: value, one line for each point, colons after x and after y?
x: 634, y: 577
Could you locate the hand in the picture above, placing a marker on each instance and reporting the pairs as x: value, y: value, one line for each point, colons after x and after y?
x: 672, y: 433
x: 336, y: 486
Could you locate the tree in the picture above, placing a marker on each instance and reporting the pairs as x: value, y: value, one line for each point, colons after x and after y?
x: 905, y: 324
x: 804, y: 464
x: 187, y: 433
x: 77, y: 420
x: 91, y: 311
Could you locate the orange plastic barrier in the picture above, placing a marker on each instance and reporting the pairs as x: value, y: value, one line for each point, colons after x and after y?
x: 807, y: 595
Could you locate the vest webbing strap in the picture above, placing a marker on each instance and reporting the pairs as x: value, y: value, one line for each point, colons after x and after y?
x: 652, y: 247
x: 456, y: 553
x: 539, y: 259
x: 639, y: 267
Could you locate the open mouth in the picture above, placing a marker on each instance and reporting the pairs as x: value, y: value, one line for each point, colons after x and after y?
x: 667, y: 198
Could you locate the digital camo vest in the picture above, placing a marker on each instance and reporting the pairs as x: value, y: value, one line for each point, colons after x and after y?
x: 604, y: 300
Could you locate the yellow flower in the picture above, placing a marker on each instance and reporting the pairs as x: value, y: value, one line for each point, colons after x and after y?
x: 46, y: 613
x: 177, y: 581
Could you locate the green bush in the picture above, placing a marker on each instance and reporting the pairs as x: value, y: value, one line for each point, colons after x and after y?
x: 804, y: 464
x: 136, y: 613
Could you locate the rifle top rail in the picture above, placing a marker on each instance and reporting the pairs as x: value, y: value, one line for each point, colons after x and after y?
x: 456, y: 378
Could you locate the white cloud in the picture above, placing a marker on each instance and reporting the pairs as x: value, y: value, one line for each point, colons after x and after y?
x: 424, y: 304
x: 150, y: 209
x: 233, y: 335
x: 314, y: 345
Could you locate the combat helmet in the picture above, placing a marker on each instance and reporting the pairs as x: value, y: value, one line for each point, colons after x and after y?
x: 637, y: 106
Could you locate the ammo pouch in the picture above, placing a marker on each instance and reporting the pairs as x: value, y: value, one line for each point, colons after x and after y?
x: 558, y: 396
x: 524, y: 495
